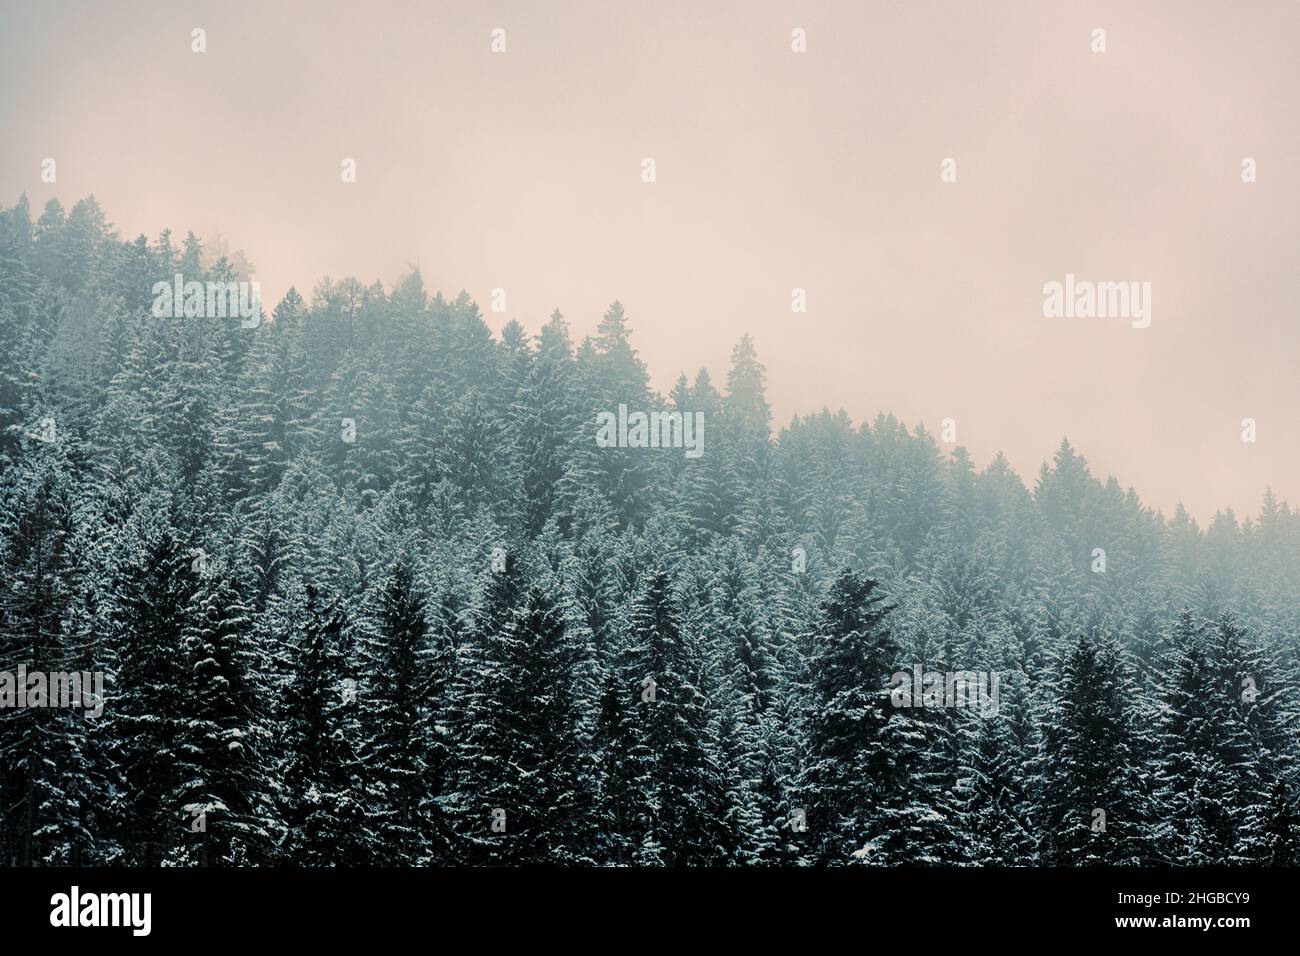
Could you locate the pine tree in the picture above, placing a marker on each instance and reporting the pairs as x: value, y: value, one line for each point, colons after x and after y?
x: 1208, y: 790
x: 521, y: 773
x: 1091, y: 806
x: 53, y: 783
x: 995, y: 796
x: 395, y: 700
x: 321, y: 799
x: 674, y: 815
x: 1282, y: 836
x: 155, y: 578
x: 222, y: 738
x: 853, y: 783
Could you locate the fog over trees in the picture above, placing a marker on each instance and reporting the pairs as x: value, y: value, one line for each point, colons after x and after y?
x: 366, y: 588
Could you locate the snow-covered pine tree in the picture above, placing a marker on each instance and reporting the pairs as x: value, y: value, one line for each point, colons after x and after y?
x: 321, y: 797
x: 1092, y: 804
x: 673, y: 814
x: 222, y: 741
x: 395, y: 697
x: 854, y: 786
x: 154, y: 577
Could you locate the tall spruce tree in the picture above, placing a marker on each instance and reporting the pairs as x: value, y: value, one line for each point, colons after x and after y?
x: 1092, y: 806
x: 854, y: 782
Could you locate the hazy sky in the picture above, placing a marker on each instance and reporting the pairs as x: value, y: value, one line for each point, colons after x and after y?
x: 775, y: 170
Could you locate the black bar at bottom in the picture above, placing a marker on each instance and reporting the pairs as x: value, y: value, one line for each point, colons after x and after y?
x: 909, y: 906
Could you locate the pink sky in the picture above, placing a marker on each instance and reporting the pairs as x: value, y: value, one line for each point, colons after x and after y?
x: 775, y: 170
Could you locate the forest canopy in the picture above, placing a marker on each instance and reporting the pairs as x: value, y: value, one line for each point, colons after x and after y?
x: 367, y: 587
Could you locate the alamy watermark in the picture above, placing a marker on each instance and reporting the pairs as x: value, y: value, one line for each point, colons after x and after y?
x: 976, y: 690
x: 1083, y: 299
x: 208, y: 300
x: 651, y: 430
x: 75, y: 909
x: 82, y: 689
